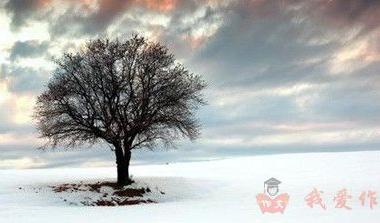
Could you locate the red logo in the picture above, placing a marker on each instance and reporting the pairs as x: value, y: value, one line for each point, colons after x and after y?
x: 268, y: 201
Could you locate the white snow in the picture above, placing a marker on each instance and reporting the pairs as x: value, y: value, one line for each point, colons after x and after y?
x: 207, y: 191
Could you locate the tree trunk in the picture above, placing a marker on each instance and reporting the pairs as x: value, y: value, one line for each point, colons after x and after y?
x: 122, y: 161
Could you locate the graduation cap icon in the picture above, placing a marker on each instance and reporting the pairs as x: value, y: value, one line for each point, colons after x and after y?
x: 271, y: 186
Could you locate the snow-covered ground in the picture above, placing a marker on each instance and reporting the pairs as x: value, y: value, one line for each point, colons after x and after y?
x: 208, y: 191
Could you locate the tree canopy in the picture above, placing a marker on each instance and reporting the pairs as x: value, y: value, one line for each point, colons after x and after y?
x: 130, y: 94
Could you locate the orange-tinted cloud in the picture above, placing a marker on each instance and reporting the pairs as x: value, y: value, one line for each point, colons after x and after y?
x: 194, y: 41
x: 43, y: 3
x: 159, y: 5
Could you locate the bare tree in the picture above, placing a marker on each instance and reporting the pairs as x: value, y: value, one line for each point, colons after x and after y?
x: 130, y: 94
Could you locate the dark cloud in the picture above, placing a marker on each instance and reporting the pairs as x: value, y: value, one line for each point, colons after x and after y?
x: 73, y: 22
x: 265, y: 53
x: 22, y: 10
x: 31, y: 48
x: 346, y: 13
x: 266, y: 44
x: 77, y: 15
x: 336, y: 13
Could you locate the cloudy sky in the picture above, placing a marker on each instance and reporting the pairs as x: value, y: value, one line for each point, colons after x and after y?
x: 284, y: 75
